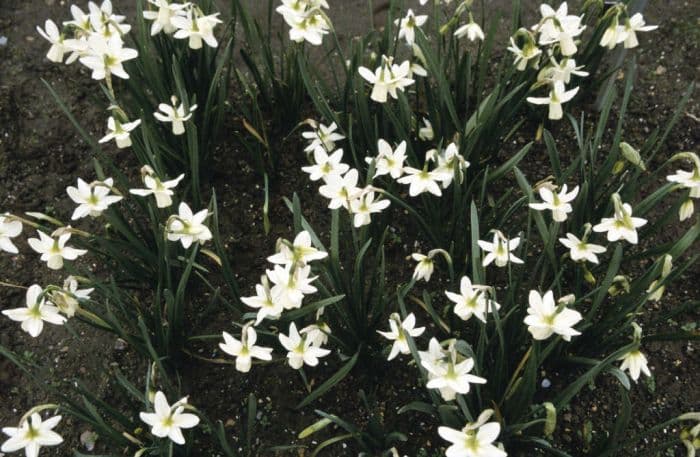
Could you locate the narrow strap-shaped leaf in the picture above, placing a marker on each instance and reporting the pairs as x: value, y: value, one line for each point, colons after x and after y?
x: 330, y: 382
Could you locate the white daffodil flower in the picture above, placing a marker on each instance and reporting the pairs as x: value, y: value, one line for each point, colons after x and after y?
x: 398, y: 333
x: 471, y: 29
x: 434, y: 354
x: 53, y: 250
x: 341, y: 190
x: 450, y: 162
x: 245, y: 350
x: 614, y: 34
x: 293, y: 7
x: 51, y: 34
x: 67, y: 299
x: 581, y: 250
x: 389, y: 161
x: 168, y: 421
x: 365, y: 205
x: 119, y: 132
x: 622, y: 225
x: 161, y: 190
x: 529, y: 52
x: 305, y: 20
x: 326, y: 165
x: 31, y: 435
x: 300, y: 251
x: 421, y: 180
x: 162, y: 19
x: 559, y: 27
x: 318, y: 333
x: 9, y: 228
x: 187, y: 227
x: 104, y: 21
x: 561, y: 71
x: 263, y: 302
x: 303, y: 349
x: 387, y: 79
x: 408, y: 24
x: 557, y: 95
x: 472, y: 300
x: 291, y: 284
x: 688, y: 179
x: 93, y: 198
x: 500, y: 250
x: 196, y: 27
x: 311, y: 27
x: 425, y: 267
x: 417, y: 69
x: 81, y: 21
x: 175, y: 114
x: 545, y: 318
x: 106, y: 57
x: 558, y: 203
x: 78, y: 47
x: 450, y: 376
x: 475, y: 439
x: 35, y: 313
x: 324, y: 136
x: 633, y: 25
x: 636, y: 363
x: 426, y: 133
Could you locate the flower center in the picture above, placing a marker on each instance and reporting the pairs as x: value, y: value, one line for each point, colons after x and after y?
x: 31, y: 434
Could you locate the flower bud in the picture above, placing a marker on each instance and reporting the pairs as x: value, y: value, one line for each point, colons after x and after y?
x: 686, y: 210
x: 632, y: 156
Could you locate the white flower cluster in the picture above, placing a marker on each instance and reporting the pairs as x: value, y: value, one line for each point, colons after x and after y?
x: 447, y: 164
x: 339, y: 180
x: 184, y: 21
x: 621, y: 226
x: 306, y: 20
x: 389, y: 77
x: 556, y: 33
x: 291, y: 282
x: 46, y: 305
x: 95, y: 38
x: 626, y: 33
x: 448, y: 371
x: 551, y: 45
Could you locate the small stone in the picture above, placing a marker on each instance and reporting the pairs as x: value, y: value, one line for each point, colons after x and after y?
x: 119, y: 344
x: 660, y: 70
x: 88, y: 439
